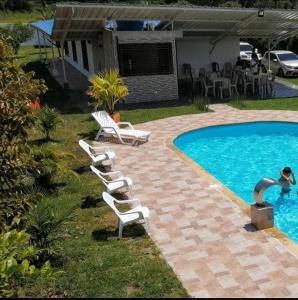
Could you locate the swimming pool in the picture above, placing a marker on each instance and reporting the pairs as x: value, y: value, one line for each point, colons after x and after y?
x: 239, y: 155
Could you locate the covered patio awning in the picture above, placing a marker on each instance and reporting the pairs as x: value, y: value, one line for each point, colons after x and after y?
x: 86, y: 20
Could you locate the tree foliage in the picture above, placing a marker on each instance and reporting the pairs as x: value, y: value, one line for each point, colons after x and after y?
x: 17, y: 91
x: 16, y: 34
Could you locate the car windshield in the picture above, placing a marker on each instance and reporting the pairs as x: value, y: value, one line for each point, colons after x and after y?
x: 287, y: 56
x: 246, y: 48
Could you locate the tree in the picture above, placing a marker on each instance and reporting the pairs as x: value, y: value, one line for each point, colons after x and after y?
x: 18, y: 4
x: 17, y: 91
x: 16, y: 34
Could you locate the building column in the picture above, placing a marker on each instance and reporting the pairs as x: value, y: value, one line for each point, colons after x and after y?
x: 44, y: 49
x: 54, y: 71
x: 39, y: 47
x: 269, y: 54
x: 66, y: 85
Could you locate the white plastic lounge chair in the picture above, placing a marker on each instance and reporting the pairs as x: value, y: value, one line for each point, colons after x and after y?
x: 109, y: 128
x: 138, y: 213
x: 99, y: 155
x: 116, y: 184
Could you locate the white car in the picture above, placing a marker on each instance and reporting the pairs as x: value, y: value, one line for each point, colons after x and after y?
x: 246, y: 51
x: 283, y: 63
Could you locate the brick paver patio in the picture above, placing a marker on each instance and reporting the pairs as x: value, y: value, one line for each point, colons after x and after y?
x: 201, y: 232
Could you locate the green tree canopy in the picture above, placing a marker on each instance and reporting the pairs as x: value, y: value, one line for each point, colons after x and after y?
x: 17, y: 91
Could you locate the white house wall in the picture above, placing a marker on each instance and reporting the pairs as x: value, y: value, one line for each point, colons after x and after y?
x: 33, y: 41
x: 79, y: 64
x: 195, y: 51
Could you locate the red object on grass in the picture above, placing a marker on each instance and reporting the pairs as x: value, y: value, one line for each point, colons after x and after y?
x: 36, y: 104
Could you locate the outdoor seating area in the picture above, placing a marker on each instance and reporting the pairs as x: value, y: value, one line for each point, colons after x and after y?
x: 229, y: 81
x: 113, y: 180
x: 109, y: 128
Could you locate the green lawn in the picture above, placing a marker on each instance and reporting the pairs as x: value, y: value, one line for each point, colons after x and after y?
x: 269, y: 104
x: 19, y: 17
x: 293, y: 80
x: 131, y: 267
x: 29, y: 54
x: 94, y: 267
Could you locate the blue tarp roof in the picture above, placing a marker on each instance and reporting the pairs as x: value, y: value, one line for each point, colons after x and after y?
x: 44, y: 26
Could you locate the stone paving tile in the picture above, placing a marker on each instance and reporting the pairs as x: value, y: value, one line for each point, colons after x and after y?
x: 202, y: 233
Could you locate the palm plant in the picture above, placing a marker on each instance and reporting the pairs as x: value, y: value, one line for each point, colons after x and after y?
x: 107, y: 88
x: 50, y: 161
x: 44, y: 222
x: 48, y: 121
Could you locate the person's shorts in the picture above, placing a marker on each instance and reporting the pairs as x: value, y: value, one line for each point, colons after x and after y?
x: 285, y: 191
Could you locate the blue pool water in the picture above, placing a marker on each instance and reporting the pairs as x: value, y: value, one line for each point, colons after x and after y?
x: 240, y: 155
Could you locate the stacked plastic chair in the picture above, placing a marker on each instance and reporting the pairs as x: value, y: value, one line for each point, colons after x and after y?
x: 114, y: 181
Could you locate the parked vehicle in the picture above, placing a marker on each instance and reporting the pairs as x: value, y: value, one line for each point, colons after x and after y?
x: 246, y: 50
x: 283, y: 63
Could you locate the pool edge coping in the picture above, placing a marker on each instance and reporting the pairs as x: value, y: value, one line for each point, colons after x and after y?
x: 245, y: 208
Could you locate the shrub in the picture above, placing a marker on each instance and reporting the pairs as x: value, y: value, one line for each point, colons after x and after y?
x: 16, y: 256
x: 17, y: 89
x: 201, y: 103
x: 238, y: 101
x: 107, y: 89
x: 44, y: 222
x: 50, y: 161
x: 48, y: 119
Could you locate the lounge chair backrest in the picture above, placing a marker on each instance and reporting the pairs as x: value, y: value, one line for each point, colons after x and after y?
x: 86, y: 147
x: 104, y: 120
x: 98, y: 173
x: 111, y: 202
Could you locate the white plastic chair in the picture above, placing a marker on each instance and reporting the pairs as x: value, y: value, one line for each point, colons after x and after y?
x: 99, y: 155
x: 138, y: 213
x: 118, y: 183
x: 206, y: 86
x: 109, y: 128
x: 234, y: 84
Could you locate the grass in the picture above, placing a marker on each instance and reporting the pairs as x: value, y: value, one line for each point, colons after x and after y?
x: 13, y: 17
x: 268, y: 104
x: 92, y: 266
x: 29, y: 54
x: 293, y: 80
x: 150, y: 114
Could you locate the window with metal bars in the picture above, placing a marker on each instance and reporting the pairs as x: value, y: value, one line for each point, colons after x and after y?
x: 145, y: 59
x: 66, y: 48
x: 85, y: 55
x: 74, y: 51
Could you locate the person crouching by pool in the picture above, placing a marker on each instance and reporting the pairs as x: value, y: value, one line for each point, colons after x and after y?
x: 285, y: 180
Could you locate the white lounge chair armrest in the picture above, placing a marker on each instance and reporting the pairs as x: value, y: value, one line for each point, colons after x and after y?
x: 118, y: 180
x: 113, y: 173
x: 106, y: 149
x: 105, y: 153
x: 127, y: 124
x: 129, y: 212
x: 108, y: 127
x: 137, y: 201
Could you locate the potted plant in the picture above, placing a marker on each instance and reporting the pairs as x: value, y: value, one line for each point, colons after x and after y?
x: 106, y: 89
